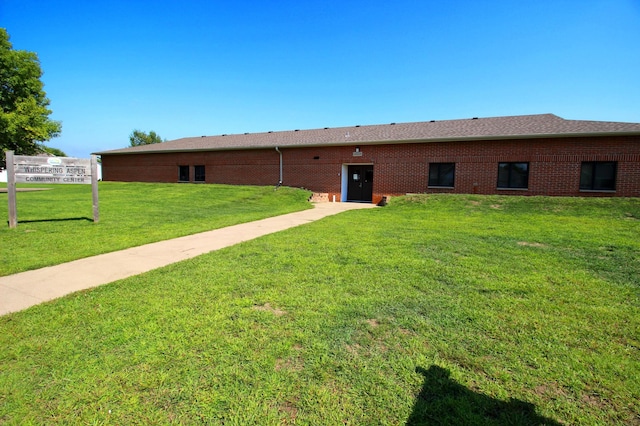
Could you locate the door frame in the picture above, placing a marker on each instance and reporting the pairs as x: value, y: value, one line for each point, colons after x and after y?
x: 344, y: 185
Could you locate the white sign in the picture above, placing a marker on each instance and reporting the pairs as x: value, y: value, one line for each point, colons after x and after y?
x: 52, y: 170
x: 24, y: 169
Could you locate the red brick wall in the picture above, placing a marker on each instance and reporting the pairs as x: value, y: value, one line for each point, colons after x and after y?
x: 554, y: 166
x: 250, y: 167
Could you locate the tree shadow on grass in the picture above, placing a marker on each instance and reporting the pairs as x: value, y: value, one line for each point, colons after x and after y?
x: 442, y: 401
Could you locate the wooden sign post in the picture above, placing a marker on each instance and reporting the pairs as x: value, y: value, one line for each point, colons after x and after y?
x: 62, y: 170
x: 11, y: 190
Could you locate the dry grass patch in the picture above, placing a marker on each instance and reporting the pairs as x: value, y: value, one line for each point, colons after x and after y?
x: 268, y: 308
x: 373, y: 322
x: 528, y: 244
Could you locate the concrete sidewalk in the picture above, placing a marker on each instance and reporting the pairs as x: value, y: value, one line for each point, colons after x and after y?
x: 26, y: 289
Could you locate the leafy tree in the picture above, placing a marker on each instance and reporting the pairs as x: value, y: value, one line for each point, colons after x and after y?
x: 54, y: 151
x: 138, y: 138
x: 24, y: 112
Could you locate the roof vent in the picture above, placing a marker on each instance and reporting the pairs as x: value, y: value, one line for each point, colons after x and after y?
x: 474, y: 118
x: 326, y: 128
x: 246, y: 133
x: 357, y: 125
x: 203, y: 136
x: 296, y: 130
x: 270, y: 131
x: 393, y: 124
x: 432, y: 121
x: 224, y: 134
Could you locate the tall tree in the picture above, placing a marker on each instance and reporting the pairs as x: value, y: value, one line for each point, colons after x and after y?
x: 57, y: 152
x: 137, y: 138
x: 24, y: 112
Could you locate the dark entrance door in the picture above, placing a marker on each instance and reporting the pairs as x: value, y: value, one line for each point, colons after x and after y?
x: 360, y: 187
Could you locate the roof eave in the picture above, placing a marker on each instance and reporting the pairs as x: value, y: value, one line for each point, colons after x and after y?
x: 378, y: 142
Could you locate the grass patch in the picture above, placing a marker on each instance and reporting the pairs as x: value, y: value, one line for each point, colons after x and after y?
x: 56, y: 225
x: 435, y: 309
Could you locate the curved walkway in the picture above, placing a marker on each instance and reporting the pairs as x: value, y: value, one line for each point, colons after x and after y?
x: 26, y: 289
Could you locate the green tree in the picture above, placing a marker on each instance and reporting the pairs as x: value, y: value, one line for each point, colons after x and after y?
x: 54, y: 151
x: 24, y: 112
x: 138, y: 138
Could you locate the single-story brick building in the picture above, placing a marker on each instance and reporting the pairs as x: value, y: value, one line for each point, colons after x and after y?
x: 524, y: 155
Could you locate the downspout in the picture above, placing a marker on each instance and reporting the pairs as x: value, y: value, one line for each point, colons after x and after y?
x: 280, y: 181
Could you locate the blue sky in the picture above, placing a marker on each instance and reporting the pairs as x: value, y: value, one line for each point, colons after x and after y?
x: 191, y: 68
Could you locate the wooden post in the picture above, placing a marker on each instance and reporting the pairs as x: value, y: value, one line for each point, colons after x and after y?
x: 94, y: 188
x: 11, y: 189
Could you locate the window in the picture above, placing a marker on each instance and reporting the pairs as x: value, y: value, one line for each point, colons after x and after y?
x: 183, y: 173
x: 198, y: 173
x: 598, y: 176
x: 513, y: 175
x: 441, y: 174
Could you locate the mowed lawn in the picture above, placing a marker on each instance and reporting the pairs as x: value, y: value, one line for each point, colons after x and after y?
x: 438, y: 309
x: 56, y: 225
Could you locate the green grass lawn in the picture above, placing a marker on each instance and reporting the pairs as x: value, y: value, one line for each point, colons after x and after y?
x: 433, y: 310
x: 56, y: 225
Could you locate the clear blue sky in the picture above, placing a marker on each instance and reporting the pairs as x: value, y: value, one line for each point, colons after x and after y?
x: 191, y: 68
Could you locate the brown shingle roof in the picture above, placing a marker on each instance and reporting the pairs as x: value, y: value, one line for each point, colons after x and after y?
x: 522, y: 126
